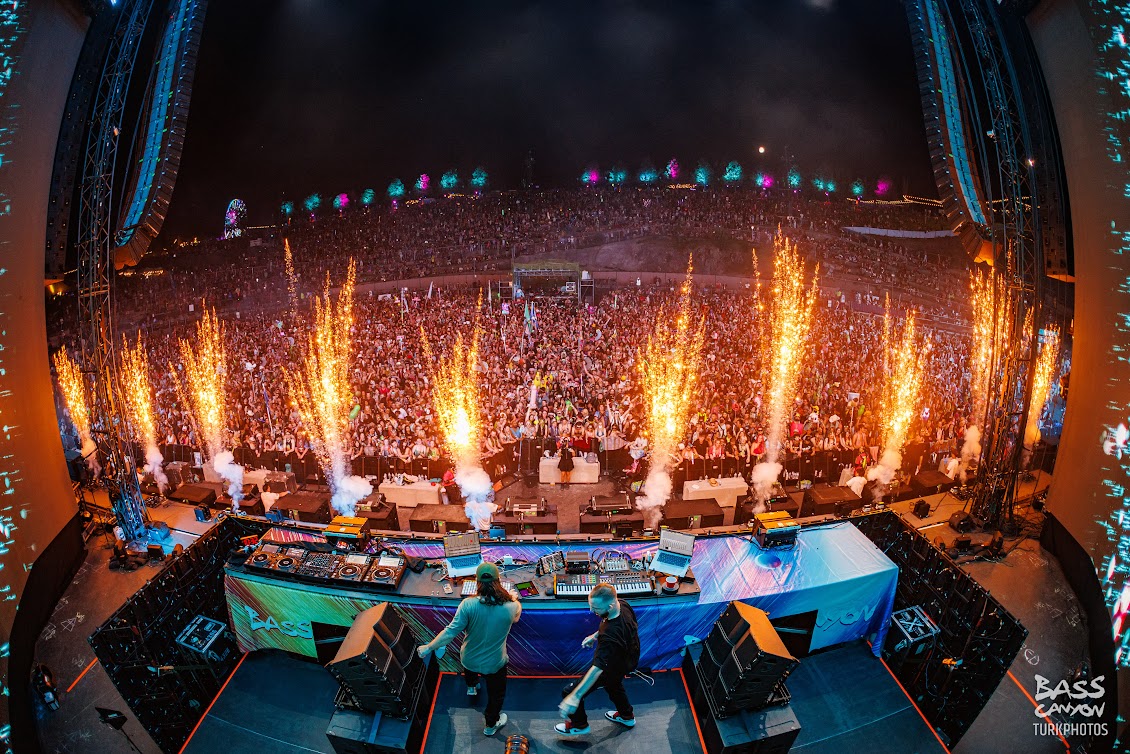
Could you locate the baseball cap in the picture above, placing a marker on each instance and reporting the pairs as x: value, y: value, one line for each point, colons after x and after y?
x: 487, y: 571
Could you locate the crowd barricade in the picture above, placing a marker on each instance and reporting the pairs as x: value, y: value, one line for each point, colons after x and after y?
x: 531, y: 450
x: 615, y: 460
x: 174, y: 453
x: 501, y: 463
x: 823, y: 467
x: 380, y: 466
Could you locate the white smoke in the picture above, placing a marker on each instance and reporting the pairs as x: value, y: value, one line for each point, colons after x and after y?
x: 764, y: 477
x: 1032, y: 430
x: 970, y: 450
x: 348, y: 491
x: 883, y: 473
x: 656, y: 493
x: 225, y: 465
x: 153, y: 462
x: 478, y: 494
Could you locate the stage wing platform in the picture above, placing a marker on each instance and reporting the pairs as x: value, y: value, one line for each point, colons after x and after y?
x: 844, y: 700
x: 834, y: 583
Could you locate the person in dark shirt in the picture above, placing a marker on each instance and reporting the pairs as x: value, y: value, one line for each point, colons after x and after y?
x: 617, y: 653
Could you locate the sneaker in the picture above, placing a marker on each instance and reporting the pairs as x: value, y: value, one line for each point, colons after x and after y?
x: 490, y: 730
x: 473, y: 690
x: 564, y: 730
x: 614, y: 716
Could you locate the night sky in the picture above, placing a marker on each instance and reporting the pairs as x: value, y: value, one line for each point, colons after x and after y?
x: 297, y: 96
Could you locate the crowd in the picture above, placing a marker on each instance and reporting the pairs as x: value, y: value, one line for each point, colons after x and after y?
x: 572, y: 371
x: 467, y: 235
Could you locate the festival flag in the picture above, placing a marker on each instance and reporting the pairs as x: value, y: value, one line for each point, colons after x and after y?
x: 430, y: 289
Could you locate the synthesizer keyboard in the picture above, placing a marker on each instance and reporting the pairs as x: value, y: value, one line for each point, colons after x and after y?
x: 579, y: 586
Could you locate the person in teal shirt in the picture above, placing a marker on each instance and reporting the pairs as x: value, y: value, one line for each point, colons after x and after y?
x: 486, y: 619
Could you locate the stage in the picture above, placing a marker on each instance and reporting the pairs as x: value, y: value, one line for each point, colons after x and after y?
x: 834, y: 585
x: 275, y: 702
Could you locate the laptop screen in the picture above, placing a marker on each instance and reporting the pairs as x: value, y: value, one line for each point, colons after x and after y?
x: 677, y: 542
x: 455, y: 545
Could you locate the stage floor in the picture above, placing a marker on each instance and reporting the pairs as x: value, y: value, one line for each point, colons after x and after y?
x: 665, y: 723
x: 271, y: 703
x: 844, y: 699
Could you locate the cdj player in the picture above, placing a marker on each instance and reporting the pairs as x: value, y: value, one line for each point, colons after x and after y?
x: 288, y: 559
x: 385, y: 572
x: 353, y: 568
x: 288, y: 564
x: 266, y: 557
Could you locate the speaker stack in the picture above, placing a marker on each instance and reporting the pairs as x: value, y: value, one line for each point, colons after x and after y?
x: 177, y: 473
x: 386, y: 689
x: 251, y: 502
x: 736, y: 679
x: 930, y: 483
x: 149, y: 486
x: 744, y: 663
x: 377, y: 665
x: 194, y: 494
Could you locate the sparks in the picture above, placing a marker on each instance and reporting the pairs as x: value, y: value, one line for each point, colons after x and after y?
x: 137, y: 400
x: 73, y: 389
x: 455, y: 396
x: 904, y: 359
x: 291, y: 277
x: 1041, y: 384
x: 455, y: 393
x: 787, y: 323
x: 320, y: 385
x: 137, y: 395
x: 668, y: 367
x: 202, y: 386
x: 987, y: 334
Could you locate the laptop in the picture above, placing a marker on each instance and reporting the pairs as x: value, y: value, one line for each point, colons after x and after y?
x: 675, y: 551
x: 462, y: 554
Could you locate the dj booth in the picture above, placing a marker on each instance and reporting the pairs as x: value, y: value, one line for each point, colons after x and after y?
x: 833, y: 586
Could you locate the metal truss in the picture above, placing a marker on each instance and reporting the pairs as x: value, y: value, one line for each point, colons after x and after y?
x: 1006, y: 151
x: 95, y: 266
